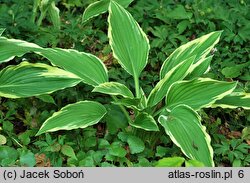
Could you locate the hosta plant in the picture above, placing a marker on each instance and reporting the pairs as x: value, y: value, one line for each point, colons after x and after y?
x: 171, y: 108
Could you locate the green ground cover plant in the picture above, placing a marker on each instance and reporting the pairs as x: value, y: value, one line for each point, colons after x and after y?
x: 171, y: 107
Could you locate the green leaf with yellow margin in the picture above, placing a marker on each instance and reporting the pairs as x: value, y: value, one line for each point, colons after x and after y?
x: 88, y: 67
x: 183, y: 126
x: 114, y: 88
x: 198, y: 93
x: 129, y: 43
x: 78, y: 115
x: 145, y: 121
x: 199, y: 48
x: 234, y: 100
x: 27, y: 79
x: 99, y: 7
x: 177, y: 73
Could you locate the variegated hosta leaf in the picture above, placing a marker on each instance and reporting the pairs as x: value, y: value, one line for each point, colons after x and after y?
x: 88, y: 67
x: 177, y: 73
x: 202, y: 92
x: 199, y: 68
x: 95, y: 9
x: 234, y: 100
x: 184, y: 128
x: 114, y: 88
x: 145, y: 122
x: 26, y: 79
x: 78, y: 115
x: 199, y: 47
x: 128, y: 42
x: 9, y: 48
x: 99, y: 7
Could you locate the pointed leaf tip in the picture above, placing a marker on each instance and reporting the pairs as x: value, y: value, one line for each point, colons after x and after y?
x: 129, y: 43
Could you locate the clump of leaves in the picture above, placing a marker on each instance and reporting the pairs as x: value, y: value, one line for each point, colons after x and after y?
x: 235, y: 151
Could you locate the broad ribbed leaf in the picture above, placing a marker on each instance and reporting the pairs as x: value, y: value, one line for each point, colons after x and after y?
x: 128, y: 42
x: 114, y: 88
x: 87, y: 66
x: 26, y: 79
x: 177, y: 73
x: 95, y: 9
x: 199, y: 93
x: 199, y: 47
x: 145, y: 122
x: 183, y: 126
x: 234, y: 100
x: 100, y: 7
x: 78, y: 115
x: 9, y: 48
x: 199, y: 68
